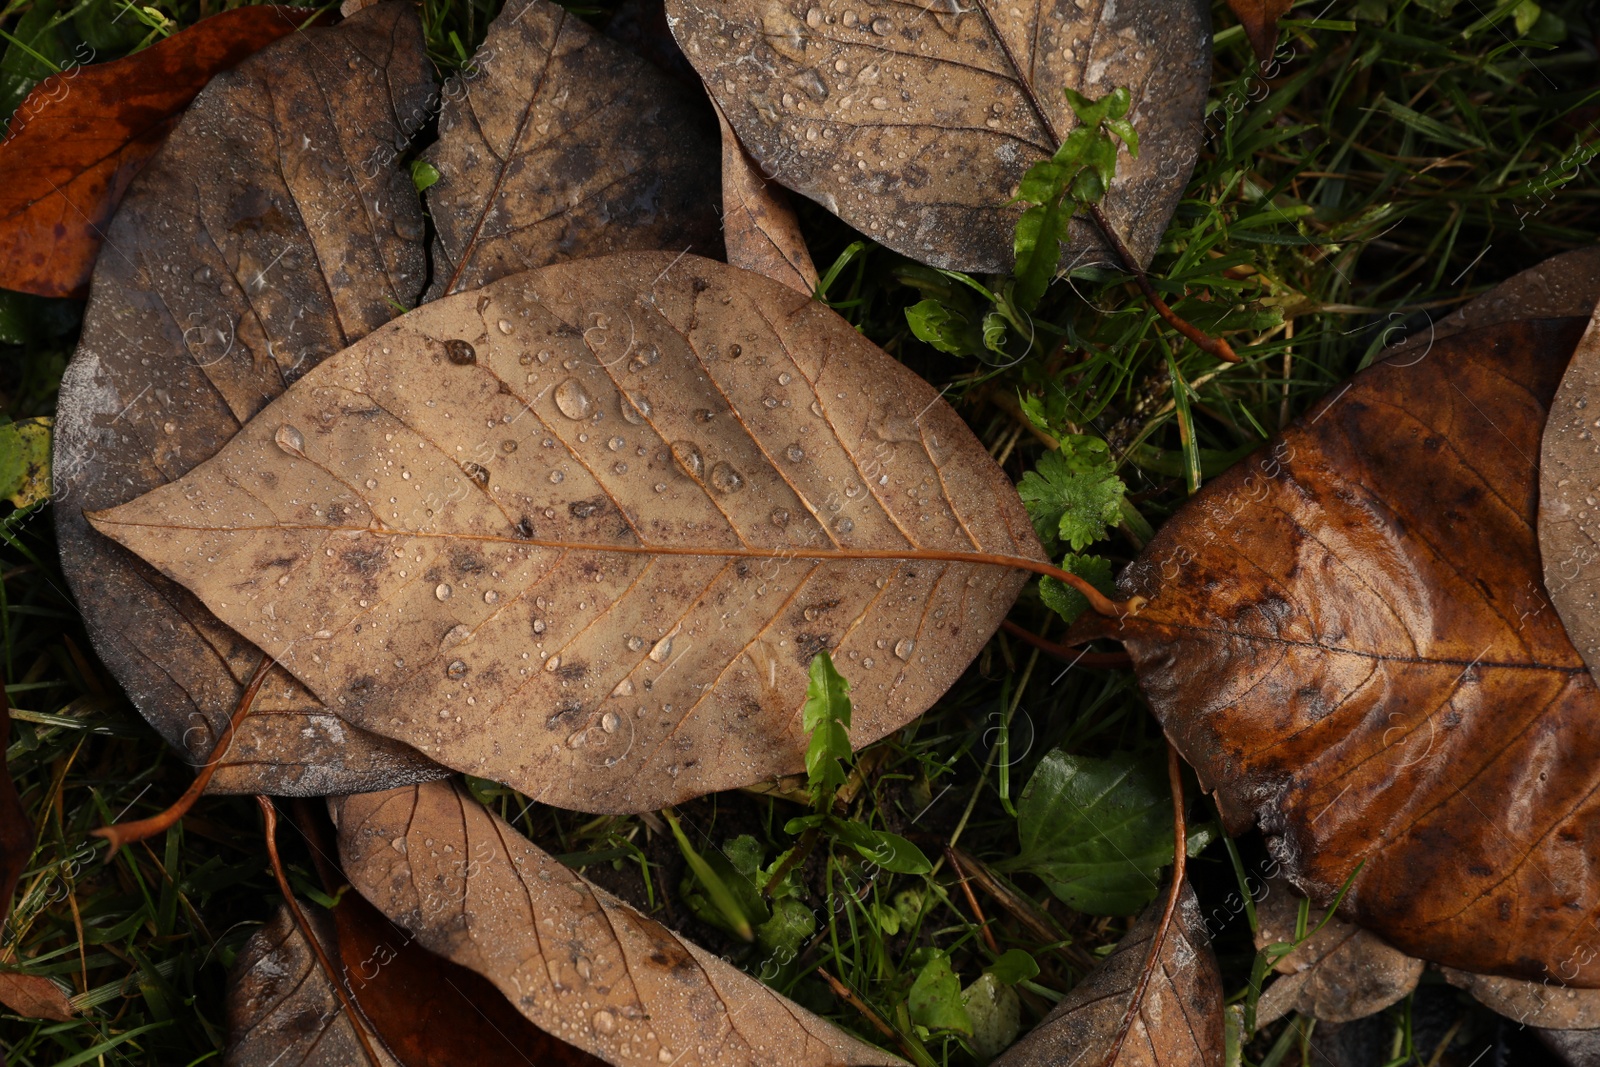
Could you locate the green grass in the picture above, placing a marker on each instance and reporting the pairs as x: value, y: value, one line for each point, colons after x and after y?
x: 1406, y: 157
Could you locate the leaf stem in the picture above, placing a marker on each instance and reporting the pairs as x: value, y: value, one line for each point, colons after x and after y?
x: 127, y: 833
x: 1215, y: 346
x: 1107, y: 660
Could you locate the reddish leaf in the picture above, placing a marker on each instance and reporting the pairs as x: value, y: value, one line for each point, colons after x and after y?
x: 34, y: 996
x: 79, y: 138
x: 1260, y: 19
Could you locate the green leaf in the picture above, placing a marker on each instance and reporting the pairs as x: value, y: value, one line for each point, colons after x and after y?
x: 935, y: 997
x: 1074, y: 494
x: 934, y: 323
x: 424, y: 175
x: 1014, y: 966
x: 735, y: 903
x: 791, y: 926
x: 826, y: 717
x: 25, y: 461
x: 995, y: 1012
x: 889, y: 851
x: 1097, y: 831
x: 1067, y: 601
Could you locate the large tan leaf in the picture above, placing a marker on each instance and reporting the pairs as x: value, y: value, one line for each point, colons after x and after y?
x: 1348, y: 636
x: 559, y: 143
x: 1179, y: 1021
x: 262, y: 237
x: 1569, y: 473
x: 575, y: 960
x: 915, y: 122
x: 279, y: 225
x: 582, y: 530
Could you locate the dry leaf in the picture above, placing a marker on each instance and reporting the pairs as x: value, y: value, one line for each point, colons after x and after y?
x: 34, y: 996
x: 1574, y: 1048
x: 759, y: 227
x: 1260, y: 21
x: 582, y: 530
x: 282, y: 1009
x: 557, y: 144
x: 80, y: 137
x: 1340, y: 974
x: 1547, y: 1004
x: 209, y: 297
x: 575, y: 960
x: 1347, y: 635
x: 1569, y: 469
x: 915, y: 123
x: 1179, y: 1023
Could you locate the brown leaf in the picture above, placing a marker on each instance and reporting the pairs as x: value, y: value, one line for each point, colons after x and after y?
x: 79, y: 138
x: 1260, y: 21
x: 209, y: 298
x: 914, y: 124
x: 1568, y: 533
x: 560, y: 144
x: 1340, y: 974
x: 1179, y: 1023
x: 1547, y: 1004
x: 575, y: 960
x: 282, y: 1008
x: 583, y: 530
x: 759, y: 227
x: 34, y: 996
x: 1347, y: 637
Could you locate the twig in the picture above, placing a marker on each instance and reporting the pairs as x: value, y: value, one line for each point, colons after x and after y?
x: 1215, y: 346
x: 1038, y: 923
x: 797, y: 855
x: 1180, y: 853
x: 848, y: 995
x: 128, y: 832
x: 1108, y: 660
x: 972, y: 900
x: 271, y: 813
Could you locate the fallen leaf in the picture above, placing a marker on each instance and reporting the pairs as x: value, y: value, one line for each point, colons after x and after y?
x: 1260, y: 21
x: 915, y: 124
x: 1569, y: 539
x: 1547, y: 1004
x: 583, y: 530
x: 81, y: 135
x: 1347, y: 637
x: 34, y: 996
x: 1341, y: 973
x: 557, y: 144
x: 25, y: 461
x: 1179, y: 1023
x: 1574, y: 1048
x: 576, y: 961
x: 282, y: 1008
x: 759, y: 227
x: 209, y: 298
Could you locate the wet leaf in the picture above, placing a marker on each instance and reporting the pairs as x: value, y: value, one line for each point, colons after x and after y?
x: 209, y: 298
x: 759, y: 226
x: 1179, y: 1023
x: 25, y: 461
x: 75, y: 143
x: 1569, y: 470
x: 1549, y: 1004
x: 934, y: 999
x: 1260, y: 21
x: 916, y: 124
x: 583, y: 530
x: 995, y: 1012
x: 557, y: 143
x: 575, y: 961
x: 1341, y: 973
x: 1347, y: 636
x: 1097, y: 831
x: 34, y: 996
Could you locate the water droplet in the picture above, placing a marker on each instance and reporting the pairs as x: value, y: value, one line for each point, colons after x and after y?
x: 479, y: 475
x: 843, y: 524
x: 647, y: 357
x: 576, y: 739
x: 785, y: 378
x: 538, y: 626
x: 371, y: 483
x: 460, y: 353
x: 816, y: 408
x: 780, y: 517
x: 456, y: 669
x: 556, y: 477
x: 454, y: 636
x: 663, y: 648
x: 904, y: 647
x: 726, y: 479
x: 505, y: 326
x: 735, y: 351
x: 624, y: 688
x: 795, y: 453
x: 491, y: 597
x: 604, y: 1022
x: 610, y: 721
x: 573, y: 400
x: 291, y: 440
x: 881, y: 26
x: 508, y: 446
x: 634, y: 409
x: 688, y: 458
x: 442, y: 591
x: 552, y: 664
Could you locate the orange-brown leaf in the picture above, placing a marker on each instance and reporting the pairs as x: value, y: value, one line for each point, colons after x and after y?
x: 80, y: 137
x: 1260, y: 21
x: 758, y: 222
x: 34, y: 996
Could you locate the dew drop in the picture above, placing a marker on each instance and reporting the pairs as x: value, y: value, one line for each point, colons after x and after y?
x: 615, y: 444
x: 454, y: 636
x: 457, y: 669
x: 610, y: 721
x: 663, y: 648
x: 624, y: 688
x: 688, y: 458
x: 371, y: 483
x: 573, y: 400
x: 780, y: 517
x: 904, y: 647
x: 726, y: 479
x: 844, y: 524
x: 491, y: 597
x: 442, y: 591
x: 505, y: 326
x: 552, y: 664
x: 291, y: 440
x: 508, y: 446
x: 795, y: 453
x: 538, y: 626
x: 634, y: 409
x: 556, y: 477
x: 460, y: 353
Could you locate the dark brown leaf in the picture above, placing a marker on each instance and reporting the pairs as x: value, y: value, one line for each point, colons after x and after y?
x: 210, y: 297
x: 1260, y: 21
x: 1179, y: 1023
x: 1340, y: 974
x: 575, y: 961
x: 759, y: 227
x: 34, y: 996
x: 560, y: 144
x: 1347, y: 636
x: 80, y: 137
x: 914, y: 123
x: 1547, y: 1004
